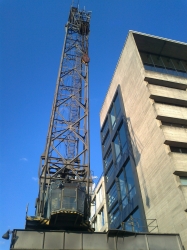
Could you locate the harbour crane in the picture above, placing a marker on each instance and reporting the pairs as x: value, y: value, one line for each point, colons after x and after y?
x: 63, y: 201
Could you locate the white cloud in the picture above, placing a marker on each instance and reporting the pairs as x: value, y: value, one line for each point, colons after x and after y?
x: 34, y: 178
x: 23, y: 159
x: 94, y: 177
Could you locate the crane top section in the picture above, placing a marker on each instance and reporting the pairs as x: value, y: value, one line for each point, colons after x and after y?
x: 80, y: 19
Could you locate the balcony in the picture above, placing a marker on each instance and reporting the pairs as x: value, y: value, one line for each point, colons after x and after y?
x: 175, y: 136
x: 173, y: 114
x: 168, y: 95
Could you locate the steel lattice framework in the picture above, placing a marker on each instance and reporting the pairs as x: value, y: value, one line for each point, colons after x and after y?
x: 66, y: 155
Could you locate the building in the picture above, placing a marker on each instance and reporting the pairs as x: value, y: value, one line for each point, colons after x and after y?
x: 99, y: 218
x: 144, y: 137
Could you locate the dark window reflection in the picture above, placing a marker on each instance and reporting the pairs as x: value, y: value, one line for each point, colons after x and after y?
x: 164, y: 64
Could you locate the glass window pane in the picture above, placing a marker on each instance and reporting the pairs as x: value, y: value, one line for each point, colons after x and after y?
x: 146, y: 58
x: 122, y: 185
x: 129, y: 176
x: 157, y: 61
x: 117, y: 106
x: 104, y: 130
x: 102, y: 217
x: 112, y: 195
x: 112, y: 117
x: 125, y: 202
x: 183, y: 181
x: 132, y: 193
x: 114, y: 213
x: 117, y: 148
x: 105, y: 143
x: 178, y: 65
x: 110, y: 173
x: 184, y: 65
x: 123, y: 138
x: 167, y: 62
x: 108, y: 158
x: 134, y: 222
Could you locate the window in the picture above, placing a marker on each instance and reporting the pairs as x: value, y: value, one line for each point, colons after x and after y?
x: 120, y: 143
x: 108, y: 158
x: 126, y: 184
x: 178, y: 150
x: 102, y: 217
x: 105, y: 143
x: 104, y: 129
x: 110, y: 172
x: 183, y: 181
x: 164, y: 64
x: 114, y: 112
x: 93, y: 208
x: 133, y: 222
x: 114, y: 213
x: 112, y: 195
x: 129, y: 176
x: 122, y: 184
x: 99, y: 197
x: 95, y: 224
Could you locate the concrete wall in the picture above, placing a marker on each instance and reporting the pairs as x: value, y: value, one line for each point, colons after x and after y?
x: 162, y: 198
x: 171, y: 113
x: 99, y: 205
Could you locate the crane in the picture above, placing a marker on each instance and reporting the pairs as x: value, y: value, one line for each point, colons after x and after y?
x: 63, y: 201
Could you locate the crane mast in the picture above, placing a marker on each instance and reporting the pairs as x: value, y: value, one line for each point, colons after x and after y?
x: 64, y: 173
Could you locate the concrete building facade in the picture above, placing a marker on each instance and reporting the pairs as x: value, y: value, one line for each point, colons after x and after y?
x: 144, y: 137
x: 99, y: 218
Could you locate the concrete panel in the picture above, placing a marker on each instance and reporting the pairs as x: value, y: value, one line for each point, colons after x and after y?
x: 29, y: 240
x: 73, y: 240
x: 180, y: 163
x: 168, y: 95
x: 165, y: 243
x: 170, y: 113
x: 167, y: 80
x: 54, y: 240
x: 132, y: 242
x: 113, y: 239
x: 175, y: 136
x: 98, y: 241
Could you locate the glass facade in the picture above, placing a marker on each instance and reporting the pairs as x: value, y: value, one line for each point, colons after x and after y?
x: 120, y: 143
x: 133, y: 222
x: 164, y: 65
x: 108, y: 158
x: 112, y: 195
x: 127, y: 186
x: 115, y: 111
x: 113, y: 215
x: 119, y: 177
x: 110, y: 173
x: 104, y: 130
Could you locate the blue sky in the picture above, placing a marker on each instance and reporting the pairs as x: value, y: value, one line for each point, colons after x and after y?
x: 31, y: 39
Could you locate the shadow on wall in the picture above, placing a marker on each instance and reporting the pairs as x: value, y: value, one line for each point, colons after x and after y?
x: 137, y: 148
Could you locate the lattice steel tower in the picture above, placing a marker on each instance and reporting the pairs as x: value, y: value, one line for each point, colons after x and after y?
x: 64, y: 173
